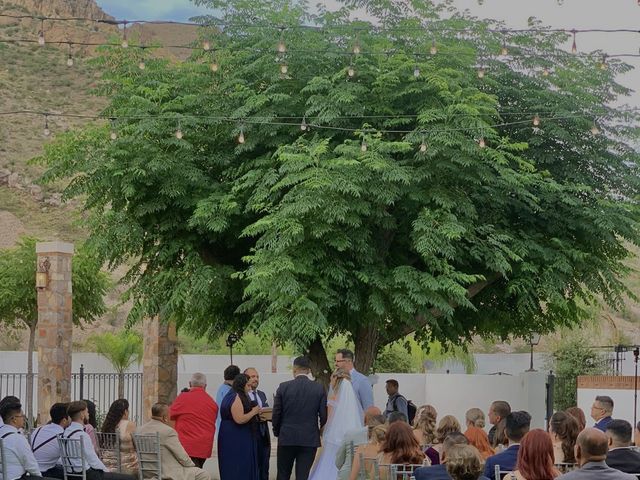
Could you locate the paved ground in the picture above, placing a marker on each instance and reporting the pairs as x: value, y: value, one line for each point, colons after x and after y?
x: 211, y: 466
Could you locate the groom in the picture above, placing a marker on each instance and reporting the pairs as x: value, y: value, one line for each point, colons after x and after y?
x: 299, y: 412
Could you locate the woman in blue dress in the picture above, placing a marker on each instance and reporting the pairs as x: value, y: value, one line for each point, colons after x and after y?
x: 238, y: 435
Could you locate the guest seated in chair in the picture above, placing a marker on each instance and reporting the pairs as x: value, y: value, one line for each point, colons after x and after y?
x: 176, y: 463
x: 622, y: 456
x: 439, y: 472
x: 516, y: 427
x: 44, y: 442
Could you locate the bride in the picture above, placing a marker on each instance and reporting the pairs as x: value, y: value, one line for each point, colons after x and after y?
x: 344, y: 415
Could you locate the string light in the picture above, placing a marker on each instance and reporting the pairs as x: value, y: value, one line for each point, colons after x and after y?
x: 141, y: 64
x: 536, y: 120
x: 125, y: 42
x: 46, y: 130
x: 282, y: 47
x: 504, y: 51
x: 481, y: 72
x: 363, y: 146
x: 595, y: 131
x: 481, y: 142
x: 434, y: 49
x: 574, y: 47
x: 356, y: 46
x: 351, y: 71
x: 603, y: 64
x: 70, y: 58
x: 179, y: 133
x: 41, y: 41
x: 545, y: 72
x: 416, y: 71
x: 113, y: 134
x: 241, y: 137
x: 206, y: 45
x: 214, y: 63
x: 423, y: 147
x: 303, y: 125
x: 284, y: 68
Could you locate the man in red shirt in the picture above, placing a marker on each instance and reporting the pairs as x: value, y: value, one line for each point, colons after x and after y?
x: 194, y: 413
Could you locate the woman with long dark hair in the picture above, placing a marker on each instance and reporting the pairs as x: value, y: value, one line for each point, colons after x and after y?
x: 535, y: 458
x: 117, y: 421
x: 238, y: 435
x: 564, y: 430
x: 399, y: 447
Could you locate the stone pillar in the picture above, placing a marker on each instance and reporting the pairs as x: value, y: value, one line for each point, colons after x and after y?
x: 53, y: 338
x: 159, y: 364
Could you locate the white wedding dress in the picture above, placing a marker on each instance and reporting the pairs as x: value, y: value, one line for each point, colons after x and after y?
x: 346, y: 416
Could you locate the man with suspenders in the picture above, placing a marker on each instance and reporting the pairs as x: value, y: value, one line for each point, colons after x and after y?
x: 44, y: 442
x: 20, y: 462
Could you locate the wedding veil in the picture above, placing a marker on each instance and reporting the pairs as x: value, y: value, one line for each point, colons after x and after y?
x: 347, y: 414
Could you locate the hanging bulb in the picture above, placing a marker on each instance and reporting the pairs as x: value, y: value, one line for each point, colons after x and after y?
x: 303, y: 125
x: 351, y: 71
x: 603, y: 64
x: 481, y: 142
x: 46, y: 130
x: 69, y: 61
x: 423, y: 147
x: 113, y: 135
x: 545, y: 72
x: 481, y: 72
x: 214, y: 65
x: 356, y: 48
x: 179, y: 133
x: 416, y: 72
x: 363, y: 147
x: 41, y: 41
x: 434, y: 49
x: 595, y: 131
x: 536, y: 120
x: 284, y: 68
x: 241, y: 137
x: 574, y: 47
x: 282, y: 47
x: 206, y: 45
x: 504, y: 51
x: 142, y: 65
x: 125, y: 42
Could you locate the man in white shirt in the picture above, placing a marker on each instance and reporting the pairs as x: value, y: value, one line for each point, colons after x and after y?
x: 20, y: 462
x: 44, y: 442
x: 96, y: 470
x: 264, y: 437
x: 5, y: 401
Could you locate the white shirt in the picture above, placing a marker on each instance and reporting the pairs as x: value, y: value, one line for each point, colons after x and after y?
x: 18, y: 455
x: 90, y: 457
x: 254, y: 396
x: 44, y: 443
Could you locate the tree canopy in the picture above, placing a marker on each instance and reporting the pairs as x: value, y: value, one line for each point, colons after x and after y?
x: 347, y: 226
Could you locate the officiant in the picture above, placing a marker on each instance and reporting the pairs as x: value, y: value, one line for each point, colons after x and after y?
x: 264, y: 437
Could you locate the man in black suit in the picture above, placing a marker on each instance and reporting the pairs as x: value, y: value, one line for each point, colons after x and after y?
x: 621, y: 455
x: 299, y: 412
x: 264, y: 438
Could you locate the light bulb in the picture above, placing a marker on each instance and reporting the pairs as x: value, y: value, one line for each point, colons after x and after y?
x: 142, y: 65
x: 595, y: 130
x: 481, y: 142
x: 125, y: 43
x: 179, y: 133
x: 545, y: 72
x: 284, y: 68
x: 69, y: 61
x: 363, y: 147
x: 282, y: 47
x: 41, y: 38
x: 351, y: 71
x: 433, y: 49
x: 423, y: 147
x: 574, y: 47
x: 113, y: 135
x: 504, y: 51
x: 603, y: 64
x: 536, y: 120
x: 241, y: 137
x: 481, y: 72
x: 303, y: 125
x: 206, y: 45
x: 416, y: 72
x: 46, y: 131
x: 356, y: 49
x: 214, y: 66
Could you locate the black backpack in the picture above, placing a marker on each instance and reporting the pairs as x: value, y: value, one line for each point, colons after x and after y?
x: 411, y: 409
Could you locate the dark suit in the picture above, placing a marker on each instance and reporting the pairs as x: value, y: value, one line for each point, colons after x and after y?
x: 505, y: 459
x: 299, y: 411
x: 596, y: 471
x: 264, y: 439
x: 624, y: 459
x: 435, y: 472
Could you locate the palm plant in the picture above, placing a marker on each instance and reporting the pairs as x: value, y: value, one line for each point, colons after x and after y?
x: 122, y: 349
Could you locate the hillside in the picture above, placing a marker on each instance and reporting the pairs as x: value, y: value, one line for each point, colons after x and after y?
x: 38, y: 78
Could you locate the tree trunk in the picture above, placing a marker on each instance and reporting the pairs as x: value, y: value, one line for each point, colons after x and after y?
x: 120, y: 384
x: 319, y: 363
x: 366, y: 341
x: 29, y: 401
x: 274, y: 357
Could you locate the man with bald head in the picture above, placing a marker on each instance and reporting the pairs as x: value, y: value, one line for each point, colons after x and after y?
x: 264, y: 437
x: 591, y: 451
x: 372, y: 417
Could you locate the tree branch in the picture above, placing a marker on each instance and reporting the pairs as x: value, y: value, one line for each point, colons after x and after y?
x: 421, y: 320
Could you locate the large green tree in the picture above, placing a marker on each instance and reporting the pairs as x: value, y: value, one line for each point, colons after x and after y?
x: 303, y: 234
x: 18, y: 296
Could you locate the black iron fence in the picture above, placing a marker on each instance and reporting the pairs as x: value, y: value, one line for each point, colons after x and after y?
x: 100, y: 388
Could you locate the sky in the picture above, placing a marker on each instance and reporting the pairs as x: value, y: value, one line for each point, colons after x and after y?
x: 578, y: 14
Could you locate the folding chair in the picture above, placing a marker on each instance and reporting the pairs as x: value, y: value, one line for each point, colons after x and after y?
x: 400, y: 471
x: 72, y: 449
x: 109, y: 444
x: 148, y: 453
x: 565, y: 467
x: 3, y: 463
x: 499, y: 474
